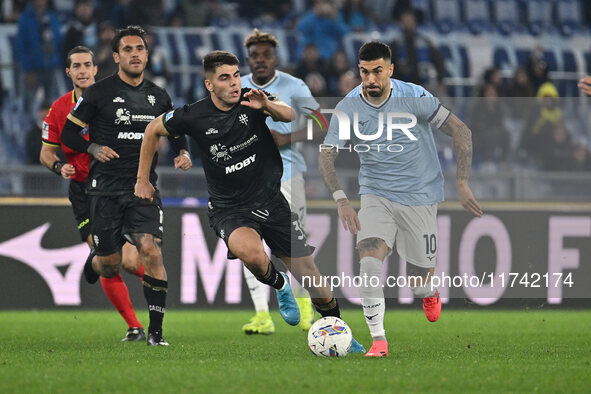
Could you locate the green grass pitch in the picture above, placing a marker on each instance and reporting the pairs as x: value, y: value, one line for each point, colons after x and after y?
x: 465, y: 351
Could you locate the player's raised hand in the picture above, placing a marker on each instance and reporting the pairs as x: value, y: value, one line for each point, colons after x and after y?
x: 467, y: 199
x: 585, y: 85
x: 67, y: 171
x: 183, y: 160
x: 280, y: 138
x: 102, y: 153
x: 144, y: 190
x: 348, y: 216
x: 257, y: 99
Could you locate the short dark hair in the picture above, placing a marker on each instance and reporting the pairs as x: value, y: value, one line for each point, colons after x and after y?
x: 79, y: 49
x: 375, y: 50
x: 128, y: 31
x: 215, y: 59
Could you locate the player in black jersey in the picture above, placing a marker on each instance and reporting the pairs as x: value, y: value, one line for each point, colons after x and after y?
x: 117, y: 110
x: 243, y: 169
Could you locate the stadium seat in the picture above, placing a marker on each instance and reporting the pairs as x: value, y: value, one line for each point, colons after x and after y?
x: 568, y: 16
x: 446, y: 15
x: 538, y: 14
x: 506, y: 14
x: 477, y: 16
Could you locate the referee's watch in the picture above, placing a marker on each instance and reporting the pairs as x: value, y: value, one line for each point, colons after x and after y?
x: 57, y: 167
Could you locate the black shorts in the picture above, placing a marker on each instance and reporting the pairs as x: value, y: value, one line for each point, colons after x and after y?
x: 80, y: 206
x: 275, y: 223
x: 113, y: 218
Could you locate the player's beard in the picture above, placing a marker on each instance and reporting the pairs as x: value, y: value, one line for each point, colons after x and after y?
x: 374, y: 93
x: 133, y: 74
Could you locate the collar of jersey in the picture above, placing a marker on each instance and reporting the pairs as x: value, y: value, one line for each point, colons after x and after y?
x: 267, y: 84
x: 128, y: 85
x: 366, y: 101
x: 73, y: 96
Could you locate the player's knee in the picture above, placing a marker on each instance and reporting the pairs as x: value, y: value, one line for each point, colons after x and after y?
x: 150, y: 253
x: 150, y: 248
x: 375, y: 247
x: 252, y: 255
x: 110, y: 270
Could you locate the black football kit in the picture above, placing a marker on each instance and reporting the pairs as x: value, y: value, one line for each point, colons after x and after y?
x: 118, y: 113
x: 243, y: 169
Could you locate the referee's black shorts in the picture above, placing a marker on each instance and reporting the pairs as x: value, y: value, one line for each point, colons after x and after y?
x: 80, y: 206
x: 276, y: 224
x: 113, y: 217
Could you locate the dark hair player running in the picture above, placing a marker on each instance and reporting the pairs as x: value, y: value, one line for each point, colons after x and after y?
x: 117, y: 110
x: 243, y: 169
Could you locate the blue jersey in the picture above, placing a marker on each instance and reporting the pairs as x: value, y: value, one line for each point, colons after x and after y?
x: 401, y: 162
x: 294, y: 92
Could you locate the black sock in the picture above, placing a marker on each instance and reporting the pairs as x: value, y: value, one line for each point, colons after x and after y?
x: 272, y: 278
x: 155, y: 293
x: 330, y: 309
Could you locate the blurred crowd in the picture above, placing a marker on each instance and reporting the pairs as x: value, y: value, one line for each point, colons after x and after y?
x: 48, y: 29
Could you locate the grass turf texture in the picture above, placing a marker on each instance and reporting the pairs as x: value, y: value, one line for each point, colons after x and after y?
x: 465, y: 351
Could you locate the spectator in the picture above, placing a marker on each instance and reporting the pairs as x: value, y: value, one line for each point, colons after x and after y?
x: 415, y: 57
x: 195, y: 12
x: 38, y: 50
x: 347, y: 82
x: 104, y: 51
x: 12, y: 10
x: 121, y: 14
x: 320, y: 27
x: 147, y: 13
x: 558, y: 150
x: 317, y: 84
x: 33, y: 135
x: 310, y: 62
x: 581, y: 157
x: 267, y: 10
x: 157, y: 68
x: 83, y: 29
x: 490, y: 138
x: 492, y: 76
x: 541, y: 122
x: 520, y: 85
x: 537, y: 69
x: 354, y: 16
x: 339, y: 64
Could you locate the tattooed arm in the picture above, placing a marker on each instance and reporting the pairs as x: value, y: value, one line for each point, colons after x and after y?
x: 462, y: 137
x: 346, y: 212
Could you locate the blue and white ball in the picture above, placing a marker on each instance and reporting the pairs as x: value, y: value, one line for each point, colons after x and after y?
x: 330, y: 337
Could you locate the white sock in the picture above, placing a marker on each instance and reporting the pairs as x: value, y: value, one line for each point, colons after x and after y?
x: 372, y: 298
x: 257, y: 291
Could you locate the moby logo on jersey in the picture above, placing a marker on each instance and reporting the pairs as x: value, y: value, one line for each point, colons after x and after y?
x: 241, y: 164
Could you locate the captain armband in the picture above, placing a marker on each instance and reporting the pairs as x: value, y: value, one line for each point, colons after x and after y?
x: 439, y: 116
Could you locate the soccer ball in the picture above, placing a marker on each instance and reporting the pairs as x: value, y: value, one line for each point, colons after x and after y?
x: 330, y: 337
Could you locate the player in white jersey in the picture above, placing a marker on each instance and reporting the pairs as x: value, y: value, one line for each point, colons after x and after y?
x: 262, y: 60
x: 400, y: 180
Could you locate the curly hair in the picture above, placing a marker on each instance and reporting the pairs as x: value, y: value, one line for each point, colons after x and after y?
x: 256, y: 37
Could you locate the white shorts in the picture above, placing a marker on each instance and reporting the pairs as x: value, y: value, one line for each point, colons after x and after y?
x: 294, y: 190
x: 412, y: 228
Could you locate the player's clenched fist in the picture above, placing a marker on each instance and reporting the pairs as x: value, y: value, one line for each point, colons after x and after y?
x: 183, y: 160
x: 144, y: 190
